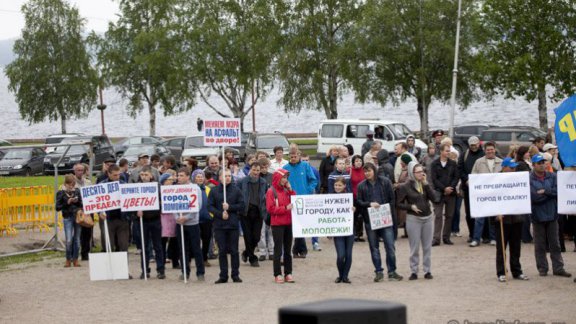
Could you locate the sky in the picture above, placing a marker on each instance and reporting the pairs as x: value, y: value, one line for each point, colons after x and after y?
x: 97, y: 14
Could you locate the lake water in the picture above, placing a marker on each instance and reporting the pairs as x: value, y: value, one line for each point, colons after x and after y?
x: 269, y: 116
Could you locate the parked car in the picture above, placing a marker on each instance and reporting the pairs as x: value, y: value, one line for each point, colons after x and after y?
x: 464, y: 132
x: 57, y: 138
x: 265, y: 142
x: 175, y: 145
x: 79, y: 153
x: 504, y: 137
x: 133, y: 151
x: 121, y: 146
x: 22, y: 161
x: 194, y: 148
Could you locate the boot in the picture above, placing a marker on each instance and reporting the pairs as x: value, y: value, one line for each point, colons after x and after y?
x: 67, y: 265
x: 76, y: 263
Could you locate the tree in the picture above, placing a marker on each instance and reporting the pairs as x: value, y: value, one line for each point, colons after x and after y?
x: 315, y: 62
x: 141, y: 56
x: 407, y: 51
x: 51, y: 75
x: 529, y: 45
x: 231, y: 46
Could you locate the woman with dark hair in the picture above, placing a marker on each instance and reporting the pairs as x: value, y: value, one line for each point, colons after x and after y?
x: 357, y: 176
x: 522, y: 156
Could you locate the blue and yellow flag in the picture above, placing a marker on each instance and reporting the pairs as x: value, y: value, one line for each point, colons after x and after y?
x: 565, y: 131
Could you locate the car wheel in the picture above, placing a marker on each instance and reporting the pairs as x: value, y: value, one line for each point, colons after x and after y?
x: 28, y: 172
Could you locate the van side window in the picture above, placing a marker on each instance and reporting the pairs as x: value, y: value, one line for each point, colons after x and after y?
x: 357, y: 131
x: 332, y: 131
x: 381, y: 132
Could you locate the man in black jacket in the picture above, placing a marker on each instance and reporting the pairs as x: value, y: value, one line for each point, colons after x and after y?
x: 465, y: 165
x: 444, y: 179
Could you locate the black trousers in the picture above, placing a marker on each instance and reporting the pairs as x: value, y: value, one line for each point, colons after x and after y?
x: 252, y: 228
x: 171, y: 249
x: 85, y: 242
x: 205, y: 236
x: 358, y: 222
x: 282, y: 244
x: 469, y: 221
x: 512, y: 237
x: 227, y: 240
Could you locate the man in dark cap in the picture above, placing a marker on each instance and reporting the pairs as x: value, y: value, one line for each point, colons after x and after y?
x: 438, y: 135
x: 368, y: 144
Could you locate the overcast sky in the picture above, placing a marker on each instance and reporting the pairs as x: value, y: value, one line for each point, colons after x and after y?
x: 96, y: 12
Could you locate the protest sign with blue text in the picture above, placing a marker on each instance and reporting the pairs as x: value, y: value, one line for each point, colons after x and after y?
x: 139, y: 196
x: 222, y: 132
x: 493, y: 194
x: 180, y: 198
x: 101, y: 197
x: 322, y: 215
x: 566, y: 192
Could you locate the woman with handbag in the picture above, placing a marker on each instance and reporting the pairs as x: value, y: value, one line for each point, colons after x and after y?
x: 68, y: 201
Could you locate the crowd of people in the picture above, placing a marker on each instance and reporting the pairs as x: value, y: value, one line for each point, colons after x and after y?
x: 424, y: 190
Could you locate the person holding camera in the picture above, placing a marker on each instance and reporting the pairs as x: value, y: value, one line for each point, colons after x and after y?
x: 68, y: 201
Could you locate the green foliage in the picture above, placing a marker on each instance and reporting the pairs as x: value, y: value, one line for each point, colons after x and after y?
x: 7, y: 262
x: 51, y: 75
x: 17, y: 182
x: 315, y: 61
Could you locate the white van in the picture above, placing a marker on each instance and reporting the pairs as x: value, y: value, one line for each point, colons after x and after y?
x: 353, y: 131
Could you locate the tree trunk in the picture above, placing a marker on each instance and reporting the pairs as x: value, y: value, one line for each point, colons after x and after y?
x: 152, y: 112
x: 63, y: 123
x: 332, y: 109
x: 423, y: 114
x: 542, y: 111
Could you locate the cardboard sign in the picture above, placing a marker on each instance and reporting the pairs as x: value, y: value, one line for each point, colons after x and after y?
x: 322, y: 215
x: 493, y: 194
x: 180, y: 198
x: 101, y: 197
x: 222, y: 132
x: 566, y: 192
x: 380, y: 217
x: 139, y: 196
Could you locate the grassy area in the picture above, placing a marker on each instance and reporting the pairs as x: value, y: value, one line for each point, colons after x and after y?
x: 13, y: 182
x: 310, y: 152
x: 6, y: 262
x: 304, y: 141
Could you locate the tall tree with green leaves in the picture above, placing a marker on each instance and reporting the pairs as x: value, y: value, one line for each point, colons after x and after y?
x: 529, y: 48
x: 315, y: 61
x: 141, y: 56
x: 232, y: 44
x: 407, y: 51
x: 51, y: 74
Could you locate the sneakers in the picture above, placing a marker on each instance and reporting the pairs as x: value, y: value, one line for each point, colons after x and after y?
x: 428, y: 276
x: 413, y: 277
x: 501, y: 278
x: 262, y: 258
x: 521, y: 277
x: 562, y: 273
x: 473, y: 244
x: 393, y: 276
x: 493, y: 242
x: 316, y: 247
x: 457, y: 234
x: 288, y: 278
x: 279, y: 279
x: 379, y: 277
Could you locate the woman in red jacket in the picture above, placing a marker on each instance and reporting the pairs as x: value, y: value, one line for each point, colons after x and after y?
x: 279, y: 206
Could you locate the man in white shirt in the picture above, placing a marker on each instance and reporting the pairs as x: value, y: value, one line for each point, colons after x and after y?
x: 278, y: 161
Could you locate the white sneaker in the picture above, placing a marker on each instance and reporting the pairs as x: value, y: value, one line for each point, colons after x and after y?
x: 457, y: 234
x: 493, y: 242
x: 473, y: 244
x: 317, y: 247
x: 502, y: 278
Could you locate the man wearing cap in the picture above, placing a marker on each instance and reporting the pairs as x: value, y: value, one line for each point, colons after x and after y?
x: 368, y: 144
x: 512, y: 231
x: 465, y: 165
x: 444, y: 181
x: 143, y: 159
x: 543, y: 194
x: 438, y: 135
x: 552, y: 150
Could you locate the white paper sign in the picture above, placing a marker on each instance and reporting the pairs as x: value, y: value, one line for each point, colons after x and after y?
x: 101, y: 197
x: 180, y: 198
x: 506, y: 193
x: 566, y: 192
x: 380, y: 217
x: 222, y: 132
x: 322, y: 215
x: 139, y: 196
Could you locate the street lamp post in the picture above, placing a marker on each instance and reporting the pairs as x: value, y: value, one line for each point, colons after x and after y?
x: 455, y: 72
x: 101, y: 107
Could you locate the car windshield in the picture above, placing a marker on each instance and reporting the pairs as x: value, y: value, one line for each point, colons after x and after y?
x: 193, y: 142
x: 400, y: 131
x: 17, y: 154
x: 139, y: 149
x: 74, y: 150
x: 269, y: 142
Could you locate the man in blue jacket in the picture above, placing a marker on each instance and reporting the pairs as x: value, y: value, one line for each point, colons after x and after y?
x: 543, y: 193
x: 304, y: 182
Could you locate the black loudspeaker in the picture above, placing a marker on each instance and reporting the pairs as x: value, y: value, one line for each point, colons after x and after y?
x: 344, y: 311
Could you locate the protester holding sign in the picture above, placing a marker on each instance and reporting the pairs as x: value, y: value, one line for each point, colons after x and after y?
x: 279, y: 206
x: 415, y: 196
x: 118, y: 222
x: 374, y: 192
x: 68, y: 201
x: 343, y: 244
x: 225, y: 209
x: 169, y: 240
x: 543, y: 192
x: 205, y: 218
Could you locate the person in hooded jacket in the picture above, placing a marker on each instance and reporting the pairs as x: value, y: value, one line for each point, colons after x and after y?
x: 280, y: 208
x: 384, y: 167
x: 357, y: 176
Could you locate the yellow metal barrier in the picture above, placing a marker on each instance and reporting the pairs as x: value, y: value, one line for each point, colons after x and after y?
x: 29, y: 207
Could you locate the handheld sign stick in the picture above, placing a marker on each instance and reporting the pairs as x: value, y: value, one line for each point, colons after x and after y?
x: 224, y: 173
x: 503, y: 246
x: 108, y: 248
x: 143, y: 250
x: 183, y: 252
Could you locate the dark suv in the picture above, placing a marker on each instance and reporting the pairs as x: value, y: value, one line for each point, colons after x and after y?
x: 79, y: 153
x: 504, y: 137
x: 265, y: 142
x: 464, y: 132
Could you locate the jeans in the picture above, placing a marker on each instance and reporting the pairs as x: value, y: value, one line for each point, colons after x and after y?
x: 343, y: 245
x: 227, y: 240
x: 387, y: 234
x: 252, y: 228
x: 153, y: 236
x: 456, y: 217
x: 191, y: 248
x: 282, y: 243
x: 266, y: 244
x: 479, y: 226
x: 72, y: 233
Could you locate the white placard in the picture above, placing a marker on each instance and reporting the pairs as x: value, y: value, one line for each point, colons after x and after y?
x: 101, y: 197
x: 322, y: 215
x: 566, y: 192
x: 380, y: 217
x: 505, y: 193
x: 108, y: 266
x: 180, y: 198
x: 139, y: 196
x: 222, y: 132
